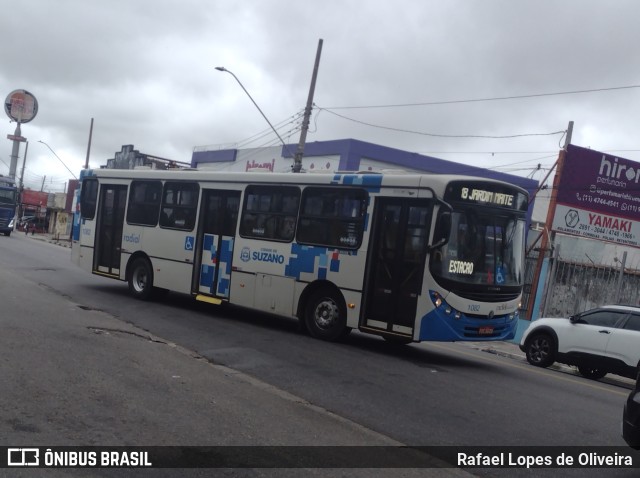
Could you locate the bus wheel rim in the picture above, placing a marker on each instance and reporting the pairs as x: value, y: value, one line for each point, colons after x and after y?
x: 140, y: 280
x: 326, y: 314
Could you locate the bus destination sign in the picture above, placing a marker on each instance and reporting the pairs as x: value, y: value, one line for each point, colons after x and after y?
x: 483, y: 193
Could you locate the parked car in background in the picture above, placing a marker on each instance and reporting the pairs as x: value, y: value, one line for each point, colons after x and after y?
x: 598, y: 341
x: 631, y: 417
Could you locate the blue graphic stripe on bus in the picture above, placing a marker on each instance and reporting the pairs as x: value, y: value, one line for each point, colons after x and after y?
x: 86, y: 173
x: 224, y: 278
x: 371, y: 182
x: 207, y: 273
x: 438, y: 326
x: 303, y: 260
x: 208, y: 268
x: 76, y: 226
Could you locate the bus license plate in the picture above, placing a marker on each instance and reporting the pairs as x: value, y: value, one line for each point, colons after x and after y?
x: 485, y: 331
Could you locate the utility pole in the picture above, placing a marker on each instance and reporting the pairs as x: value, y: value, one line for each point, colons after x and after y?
x: 24, y: 163
x: 15, y: 150
x: 548, y: 236
x: 21, y: 188
x: 86, y: 163
x: 297, y: 160
x: 621, y: 276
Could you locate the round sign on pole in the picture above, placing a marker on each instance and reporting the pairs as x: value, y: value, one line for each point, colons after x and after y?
x: 21, y: 106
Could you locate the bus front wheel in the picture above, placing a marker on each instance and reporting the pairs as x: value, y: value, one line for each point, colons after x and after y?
x: 141, y: 279
x: 326, y: 315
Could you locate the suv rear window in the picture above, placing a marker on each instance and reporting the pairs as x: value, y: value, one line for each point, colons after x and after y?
x: 633, y: 323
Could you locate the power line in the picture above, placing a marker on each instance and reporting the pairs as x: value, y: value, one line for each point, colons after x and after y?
x: 437, y: 135
x: 279, y: 126
x: 496, y: 98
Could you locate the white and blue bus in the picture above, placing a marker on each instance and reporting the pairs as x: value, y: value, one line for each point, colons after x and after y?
x: 409, y: 257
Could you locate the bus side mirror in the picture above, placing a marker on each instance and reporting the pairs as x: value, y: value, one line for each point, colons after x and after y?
x: 442, y: 231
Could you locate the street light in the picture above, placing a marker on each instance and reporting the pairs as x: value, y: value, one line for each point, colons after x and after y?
x: 222, y: 68
x: 54, y: 153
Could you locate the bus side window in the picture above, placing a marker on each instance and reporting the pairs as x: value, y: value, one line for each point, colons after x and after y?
x: 332, y: 217
x: 88, y: 198
x: 270, y: 212
x: 144, y: 202
x: 179, y: 204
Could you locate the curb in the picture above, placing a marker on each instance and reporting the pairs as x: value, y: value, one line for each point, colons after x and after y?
x: 46, y: 238
x: 611, y: 379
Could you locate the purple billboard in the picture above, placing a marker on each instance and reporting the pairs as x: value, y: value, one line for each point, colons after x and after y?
x: 599, y: 197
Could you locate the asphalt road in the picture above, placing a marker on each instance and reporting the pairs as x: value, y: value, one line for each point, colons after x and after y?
x: 97, y: 367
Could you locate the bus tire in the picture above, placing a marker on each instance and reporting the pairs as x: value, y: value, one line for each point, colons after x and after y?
x: 141, y: 279
x: 326, y: 315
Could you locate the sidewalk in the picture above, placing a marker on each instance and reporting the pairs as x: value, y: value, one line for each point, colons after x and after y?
x: 50, y: 238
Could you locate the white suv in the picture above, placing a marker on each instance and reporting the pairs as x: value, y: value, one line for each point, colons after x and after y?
x: 598, y: 341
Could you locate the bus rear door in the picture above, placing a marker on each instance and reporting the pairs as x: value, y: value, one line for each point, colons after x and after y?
x: 219, y: 217
x: 395, y: 272
x: 113, y: 199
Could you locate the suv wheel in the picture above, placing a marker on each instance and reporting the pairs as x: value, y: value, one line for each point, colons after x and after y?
x: 541, y: 350
x: 591, y: 372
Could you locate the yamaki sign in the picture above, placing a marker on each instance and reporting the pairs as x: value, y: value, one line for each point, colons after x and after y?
x: 599, y: 197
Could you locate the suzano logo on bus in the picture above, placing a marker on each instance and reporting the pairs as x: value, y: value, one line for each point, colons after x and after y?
x: 263, y: 255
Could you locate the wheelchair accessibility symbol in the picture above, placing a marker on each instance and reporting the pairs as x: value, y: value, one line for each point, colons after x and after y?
x: 188, y: 243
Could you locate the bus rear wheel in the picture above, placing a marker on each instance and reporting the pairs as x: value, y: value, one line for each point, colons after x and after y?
x: 326, y: 315
x: 141, y: 279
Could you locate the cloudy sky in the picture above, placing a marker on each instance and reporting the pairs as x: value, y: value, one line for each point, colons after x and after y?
x: 484, y: 82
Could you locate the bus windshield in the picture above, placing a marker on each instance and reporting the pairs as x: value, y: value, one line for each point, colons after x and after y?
x: 483, y: 249
x: 8, y: 196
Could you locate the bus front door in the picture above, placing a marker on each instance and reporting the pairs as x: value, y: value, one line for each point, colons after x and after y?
x: 219, y: 216
x: 396, y: 264
x: 108, y: 245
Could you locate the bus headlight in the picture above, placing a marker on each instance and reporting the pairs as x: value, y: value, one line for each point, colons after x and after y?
x: 439, y: 302
x: 436, y: 299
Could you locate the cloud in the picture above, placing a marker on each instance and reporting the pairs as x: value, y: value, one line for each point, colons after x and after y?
x: 144, y: 71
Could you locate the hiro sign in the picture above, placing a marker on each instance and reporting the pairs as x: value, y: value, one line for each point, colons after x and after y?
x: 599, y: 197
